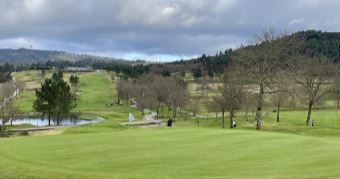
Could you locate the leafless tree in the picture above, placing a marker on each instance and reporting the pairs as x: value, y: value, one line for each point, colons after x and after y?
x: 312, y: 74
x: 260, y: 63
x: 336, y: 89
x: 201, y: 93
x: 249, y: 102
x: 124, y: 90
x: 281, y: 90
x: 231, y: 94
x: 20, y: 85
x: 160, y: 87
x: 178, y: 97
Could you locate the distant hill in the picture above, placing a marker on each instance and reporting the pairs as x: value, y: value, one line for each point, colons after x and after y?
x: 30, y: 55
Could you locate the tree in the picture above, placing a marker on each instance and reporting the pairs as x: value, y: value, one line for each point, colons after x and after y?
x: 336, y: 89
x: 249, y: 101
x: 197, y: 73
x: 125, y: 90
x: 281, y: 93
x: 54, y: 97
x: 312, y: 73
x: 46, y: 98
x: 260, y: 63
x: 74, y: 79
x: 20, y: 86
x: 231, y: 94
x: 6, y: 108
x: 161, y: 90
x: 65, y: 100
x: 178, y: 96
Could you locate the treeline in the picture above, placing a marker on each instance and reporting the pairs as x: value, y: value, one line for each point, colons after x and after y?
x: 125, y: 68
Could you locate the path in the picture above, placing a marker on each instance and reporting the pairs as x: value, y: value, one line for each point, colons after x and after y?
x: 148, y: 120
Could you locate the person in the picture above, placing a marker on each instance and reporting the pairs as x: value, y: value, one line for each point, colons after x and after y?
x: 313, y: 123
x: 234, y: 123
x: 170, y: 122
x: 131, y: 117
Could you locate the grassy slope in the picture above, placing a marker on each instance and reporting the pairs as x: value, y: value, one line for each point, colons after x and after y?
x: 97, y: 92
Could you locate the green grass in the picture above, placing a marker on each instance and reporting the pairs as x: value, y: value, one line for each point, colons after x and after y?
x: 170, y: 153
x: 97, y: 95
x: 287, y: 149
x: 25, y: 101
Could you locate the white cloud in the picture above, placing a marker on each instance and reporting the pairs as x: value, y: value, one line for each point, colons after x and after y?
x: 19, y: 42
x: 152, y: 27
x: 296, y: 21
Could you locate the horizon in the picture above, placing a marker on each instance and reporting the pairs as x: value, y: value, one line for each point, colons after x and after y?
x: 156, y: 31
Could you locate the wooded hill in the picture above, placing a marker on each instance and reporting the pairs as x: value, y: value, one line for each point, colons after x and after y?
x: 311, y: 42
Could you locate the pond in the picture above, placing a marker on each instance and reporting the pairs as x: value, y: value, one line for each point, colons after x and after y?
x: 37, y: 121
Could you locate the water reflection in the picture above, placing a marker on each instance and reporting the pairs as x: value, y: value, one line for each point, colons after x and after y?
x: 36, y: 121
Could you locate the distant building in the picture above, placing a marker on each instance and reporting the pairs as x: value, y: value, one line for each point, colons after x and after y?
x: 79, y: 69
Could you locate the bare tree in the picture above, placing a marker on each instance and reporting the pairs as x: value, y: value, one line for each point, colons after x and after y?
x: 336, y: 89
x: 20, y: 86
x: 312, y: 74
x: 124, y: 90
x: 260, y: 63
x: 161, y: 90
x: 201, y: 93
x: 249, y: 102
x: 178, y: 96
x: 231, y: 94
x: 281, y: 94
x: 213, y: 107
x: 6, y: 109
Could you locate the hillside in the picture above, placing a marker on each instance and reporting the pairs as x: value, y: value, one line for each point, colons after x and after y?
x: 33, y: 55
x: 310, y: 41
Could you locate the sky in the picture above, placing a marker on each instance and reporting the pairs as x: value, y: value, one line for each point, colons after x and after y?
x: 158, y: 30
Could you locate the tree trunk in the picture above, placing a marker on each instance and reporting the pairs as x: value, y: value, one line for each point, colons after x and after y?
x: 49, y: 117
x: 310, y: 106
x: 247, y: 114
x: 118, y: 100
x: 162, y: 111
x: 278, y: 114
x: 58, y: 114
x: 259, y: 108
x: 231, y: 116
x: 157, y: 111
x: 216, y: 117
x: 174, y: 112
x: 338, y: 103
x: 223, y: 119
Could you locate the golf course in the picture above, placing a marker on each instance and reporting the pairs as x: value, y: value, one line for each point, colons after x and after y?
x: 107, y: 149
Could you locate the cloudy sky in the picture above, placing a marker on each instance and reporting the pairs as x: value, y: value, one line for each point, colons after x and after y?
x: 154, y: 29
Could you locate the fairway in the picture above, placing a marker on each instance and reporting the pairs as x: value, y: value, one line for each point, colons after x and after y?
x: 170, y: 153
